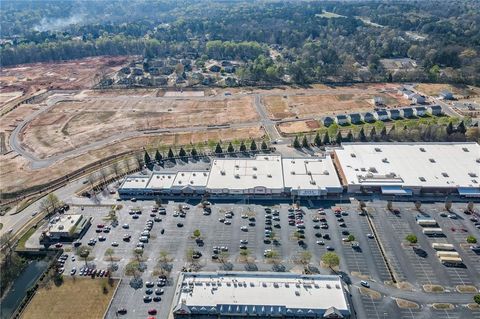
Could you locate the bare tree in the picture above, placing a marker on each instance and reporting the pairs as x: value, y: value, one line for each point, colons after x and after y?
x: 418, y: 205
x: 470, y: 207
x: 448, y: 205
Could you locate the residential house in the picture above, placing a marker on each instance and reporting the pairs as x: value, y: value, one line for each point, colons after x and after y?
x: 407, y: 112
x: 341, y: 119
x: 381, y: 115
x: 369, y: 117
x: 418, y: 99
x: 355, y: 118
x: 420, y: 110
x: 395, y: 114
x: 327, y: 121
x: 436, y: 110
x: 446, y: 95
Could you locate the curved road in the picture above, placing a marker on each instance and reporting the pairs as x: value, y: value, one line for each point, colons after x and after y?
x: 264, y: 120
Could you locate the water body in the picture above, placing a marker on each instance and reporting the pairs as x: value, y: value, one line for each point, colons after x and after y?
x: 18, y: 291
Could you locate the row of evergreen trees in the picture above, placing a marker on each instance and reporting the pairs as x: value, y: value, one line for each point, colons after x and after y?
x: 373, y: 136
x: 182, y: 153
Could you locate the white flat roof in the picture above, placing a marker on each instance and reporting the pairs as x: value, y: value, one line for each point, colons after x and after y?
x: 65, y: 223
x: 309, y: 173
x: 244, y: 289
x: 136, y: 182
x: 411, y: 164
x: 192, y: 179
x: 161, y: 180
x: 263, y: 170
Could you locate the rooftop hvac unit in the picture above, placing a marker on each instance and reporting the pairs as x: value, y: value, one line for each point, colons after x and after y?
x: 328, y: 286
x: 191, y: 182
x: 254, y: 168
x: 313, y: 182
x: 222, y: 172
x: 237, y: 166
x: 309, y: 173
x: 292, y: 172
x: 269, y: 175
x: 193, y: 174
x: 265, y: 158
x: 297, y: 293
x: 275, y: 284
x: 254, y: 176
x: 293, y: 162
x: 353, y: 155
x: 369, y: 175
x: 237, y: 176
x: 325, y: 172
x: 183, y: 174
x: 385, y: 160
x: 372, y: 169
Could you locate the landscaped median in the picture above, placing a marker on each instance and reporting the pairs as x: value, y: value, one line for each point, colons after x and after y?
x: 74, y: 298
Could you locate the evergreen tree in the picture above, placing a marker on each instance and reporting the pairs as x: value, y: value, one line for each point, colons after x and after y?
x: 230, y: 148
x: 243, y: 148
x: 350, y: 136
x: 461, y: 128
x: 305, y: 142
x: 383, y: 134
x: 264, y: 146
x: 361, y: 135
x: 339, y: 137
x: 449, y: 128
x: 296, y: 143
x: 193, y: 152
x: 253, y: 146
x: 182, y: 152
x: 170, y: 153
x: 146, y: 158
x: 158, y: 156
x: 373, y: 134
x: 391, y: 132
x: 317, y: 140
x: 218, y: 149
x: 326, y: 138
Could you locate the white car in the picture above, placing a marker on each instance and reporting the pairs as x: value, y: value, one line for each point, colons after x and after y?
x: 227, y: 222
x: 365, y: 284
x: 320, y: 242
x: 114, y: 244
x: 371, y: 236
x: 244, y: 228
x: 243, y: 241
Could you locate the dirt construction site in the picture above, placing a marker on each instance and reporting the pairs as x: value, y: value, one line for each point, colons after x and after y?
x: 66, y: 125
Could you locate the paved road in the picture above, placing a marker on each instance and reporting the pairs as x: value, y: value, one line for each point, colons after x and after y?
x: 265, y: 121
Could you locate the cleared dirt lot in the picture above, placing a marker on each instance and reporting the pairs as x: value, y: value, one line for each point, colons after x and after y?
x: 16, y: 170
x: 75, y: 74
x: 85, y: 118
x: 458, y: 90
x: 329, y: 101
x: 79, y: 298
x: 299, y: 126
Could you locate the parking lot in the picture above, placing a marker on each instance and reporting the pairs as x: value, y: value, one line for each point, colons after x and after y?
x: 272, y: 237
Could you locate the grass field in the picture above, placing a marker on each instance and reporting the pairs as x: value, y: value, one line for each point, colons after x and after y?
x: 75, y: 298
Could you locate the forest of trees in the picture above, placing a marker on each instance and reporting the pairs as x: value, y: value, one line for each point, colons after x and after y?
x: 311, y: 47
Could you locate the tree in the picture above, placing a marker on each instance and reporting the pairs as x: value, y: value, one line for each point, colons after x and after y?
x: 350, y: 137
x: 245, y: 253
x: 50, y: 203
x: 273, y: 255
x: 146, y: 158
x: 418, y: 205
x: 391, y: 132
x: 253, y: 146
x: 264, y: 146
x: 411, y: 238
x: 218, y: 149
x: 189, y: 255
x: 461, y: 128
x: 223, y: 257
x: 158, y: 156
x: 390, y: 205
x: 373, y: 134
x: 317, y: 140
x: 476, y: 298
x: 351, y: 237
x: 230, y: 148
x: 164, y: 256
x: 296, y: 142
x: 450, y: 129
x: 305, y: 142
x: 361, y: 135
x: 470, y: 206
x: 448, y: 205
x: 339, y: 137
x: 182, y: 152
x: 326, y: 138
x: 305, y: 257
x: 471, y: 239
x: 330, y: 259
x: 193, y: 152
x: 197, y: 233
x: 170, y: 153
x: 243, y: 148
x: 383, y: 134
x: 84, y: 252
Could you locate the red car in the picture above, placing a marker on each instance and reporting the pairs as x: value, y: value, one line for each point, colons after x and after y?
x: 100, y: 225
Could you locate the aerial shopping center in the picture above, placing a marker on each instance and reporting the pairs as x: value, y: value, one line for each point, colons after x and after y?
x: 397, y: 169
